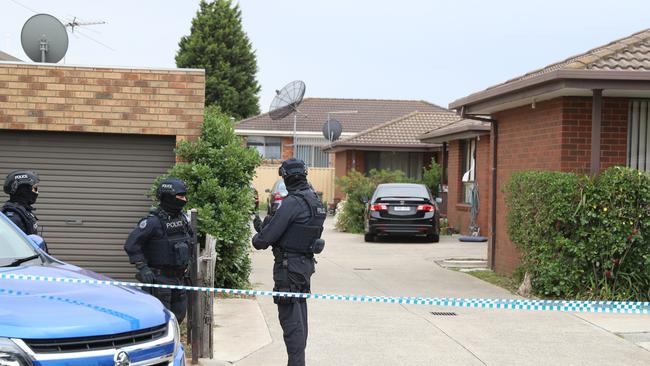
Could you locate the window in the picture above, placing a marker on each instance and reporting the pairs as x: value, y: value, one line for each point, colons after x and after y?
x: 268, y: 147
x: 468, y: 169
x: 309, y: 150
x: 638, y: 135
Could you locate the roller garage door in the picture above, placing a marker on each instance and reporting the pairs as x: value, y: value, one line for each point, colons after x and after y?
x: 92, y: 191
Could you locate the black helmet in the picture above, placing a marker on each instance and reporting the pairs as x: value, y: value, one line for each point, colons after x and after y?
x: 292, y: 166
x: 18, y: 178
x: 171, y: 186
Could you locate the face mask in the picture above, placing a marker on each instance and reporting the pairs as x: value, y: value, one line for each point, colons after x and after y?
x: 31, y: 197
x: 172, y: 204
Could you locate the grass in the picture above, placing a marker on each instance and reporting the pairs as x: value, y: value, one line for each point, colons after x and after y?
x: 263, y: 206
x: 496, y: 279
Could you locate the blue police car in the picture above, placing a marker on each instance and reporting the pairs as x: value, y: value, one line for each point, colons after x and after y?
x: 57, y: 323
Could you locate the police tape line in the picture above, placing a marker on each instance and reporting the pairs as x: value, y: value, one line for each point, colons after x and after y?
x: 614, y: 307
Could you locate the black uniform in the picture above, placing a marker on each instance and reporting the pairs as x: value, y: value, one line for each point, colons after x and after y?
x: 294, y: 233
x: 20, y: 186
x: 160, y: 247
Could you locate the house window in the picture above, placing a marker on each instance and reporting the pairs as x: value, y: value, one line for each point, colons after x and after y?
x: 468, y: 169
x: 309, y: 150
x: 269, y: 147
x: 638, y: 135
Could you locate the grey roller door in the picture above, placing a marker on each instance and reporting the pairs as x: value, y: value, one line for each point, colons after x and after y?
x: 92, y: 190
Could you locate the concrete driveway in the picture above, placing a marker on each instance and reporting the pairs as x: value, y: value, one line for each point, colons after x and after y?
x: 343, y: 333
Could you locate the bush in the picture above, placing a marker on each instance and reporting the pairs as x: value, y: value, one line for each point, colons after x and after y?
x: 583, y: 237
x: 357, y: 186
x: 431, y: 177
x: 218, y: 169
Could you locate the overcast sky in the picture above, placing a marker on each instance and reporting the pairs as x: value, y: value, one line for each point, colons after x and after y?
x: 384, y: 49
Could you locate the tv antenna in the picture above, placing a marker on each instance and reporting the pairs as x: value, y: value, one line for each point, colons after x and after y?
x: 286, y: 101
x: 44, y: 38
x: 76, y: 23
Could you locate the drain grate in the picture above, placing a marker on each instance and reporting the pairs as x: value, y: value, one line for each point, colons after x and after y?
x: 443, y: 313
x: 362, y: 269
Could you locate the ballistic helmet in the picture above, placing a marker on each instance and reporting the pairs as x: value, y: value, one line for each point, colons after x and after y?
x: 18, y: 178
x: 171, y: 186
x: 292, y: 166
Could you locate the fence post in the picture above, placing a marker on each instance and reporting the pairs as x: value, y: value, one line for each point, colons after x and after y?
x: 193, y: 330
x: 207, y: 263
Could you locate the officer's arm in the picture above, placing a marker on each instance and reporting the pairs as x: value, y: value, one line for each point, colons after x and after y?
x: 278, y: 224
x: 138, y: 238
x: 17, y: 220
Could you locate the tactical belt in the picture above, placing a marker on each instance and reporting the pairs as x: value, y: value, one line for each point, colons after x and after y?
x: 169, y: 271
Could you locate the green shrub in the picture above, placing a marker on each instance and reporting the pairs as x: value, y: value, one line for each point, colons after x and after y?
x: 218, y: 169
x: 583, y: 237
x: 431, y: 177
x: 356, y: 187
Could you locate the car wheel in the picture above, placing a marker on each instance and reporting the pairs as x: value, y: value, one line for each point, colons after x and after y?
x: 369, y: 237
x: 433, y: 238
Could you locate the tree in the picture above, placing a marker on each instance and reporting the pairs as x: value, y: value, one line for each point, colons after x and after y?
x: 218, y: 169
x: 218, y: 44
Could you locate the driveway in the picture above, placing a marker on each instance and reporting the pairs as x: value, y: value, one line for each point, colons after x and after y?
x: 344, y: 333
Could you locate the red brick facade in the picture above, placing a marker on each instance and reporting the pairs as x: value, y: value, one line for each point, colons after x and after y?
x: 555, y: 136
x: 101, y: 100
x: 458, y: 212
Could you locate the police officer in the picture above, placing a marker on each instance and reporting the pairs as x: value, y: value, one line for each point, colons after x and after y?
x: 22, y: 188
x: 294, y: 233
x: 160, y: 246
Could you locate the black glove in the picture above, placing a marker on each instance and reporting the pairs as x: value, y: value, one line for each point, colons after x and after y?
x: 146, y: 275
x: 257, y: 223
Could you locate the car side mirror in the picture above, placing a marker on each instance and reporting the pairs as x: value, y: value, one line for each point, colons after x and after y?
x: 438, y: 200
x: 38, y: 241
x: 267, y: 190
x: 364, y: 200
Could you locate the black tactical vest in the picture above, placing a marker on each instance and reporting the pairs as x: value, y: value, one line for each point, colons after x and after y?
x: 301, y: 238
x: 173, y: 248
x: 29, y: 219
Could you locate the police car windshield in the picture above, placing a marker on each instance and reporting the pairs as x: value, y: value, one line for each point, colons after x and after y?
x: 13, y: 245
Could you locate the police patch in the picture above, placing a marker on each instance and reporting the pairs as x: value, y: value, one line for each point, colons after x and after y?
x: 143, y: 224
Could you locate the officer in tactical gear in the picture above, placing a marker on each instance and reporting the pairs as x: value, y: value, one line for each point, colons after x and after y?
x: 22, y: 188
x: 294, y: 233
x: 160, y: 246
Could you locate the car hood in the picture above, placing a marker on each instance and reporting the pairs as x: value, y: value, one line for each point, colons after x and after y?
x: 39, y: 309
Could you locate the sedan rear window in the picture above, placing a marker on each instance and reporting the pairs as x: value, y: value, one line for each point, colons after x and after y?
x: 402, y: 191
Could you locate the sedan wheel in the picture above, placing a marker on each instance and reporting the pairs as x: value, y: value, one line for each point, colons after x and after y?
x: 368, y: 237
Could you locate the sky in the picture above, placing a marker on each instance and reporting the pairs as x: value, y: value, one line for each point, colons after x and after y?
x: 437, y: 51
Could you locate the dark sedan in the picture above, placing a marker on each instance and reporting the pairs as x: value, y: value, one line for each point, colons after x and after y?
x: 402, y: 209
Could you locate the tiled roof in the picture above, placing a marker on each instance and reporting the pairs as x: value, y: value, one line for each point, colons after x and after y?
x: 629, y: 53
x: 7, y: 57
x: 401, y: 132
x: 370, y: 113
x: 456, y: 128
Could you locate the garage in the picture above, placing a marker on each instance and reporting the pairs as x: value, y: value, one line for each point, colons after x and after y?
x: 93, y: 190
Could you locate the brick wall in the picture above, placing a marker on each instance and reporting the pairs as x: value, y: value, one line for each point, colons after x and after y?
x: 576, y: 133
x: 555, y: 136
x: 101, y: 100
x: 287, y: 148
x: 458, y: 213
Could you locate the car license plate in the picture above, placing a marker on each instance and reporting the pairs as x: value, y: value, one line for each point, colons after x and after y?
x: 402, y: 208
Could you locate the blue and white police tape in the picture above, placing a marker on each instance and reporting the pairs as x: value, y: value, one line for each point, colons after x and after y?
x: 615, y: 307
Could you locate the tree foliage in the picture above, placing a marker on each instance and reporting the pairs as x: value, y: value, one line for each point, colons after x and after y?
x: 218, y: 169
x: 218, y: 44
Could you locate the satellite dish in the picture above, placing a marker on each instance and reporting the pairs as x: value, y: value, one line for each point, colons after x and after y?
x: 332, y: 130
x: 44, y: 38
x: 287, y: 100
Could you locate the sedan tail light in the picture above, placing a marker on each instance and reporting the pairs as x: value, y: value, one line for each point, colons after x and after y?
x: 426, y: 208
x: 378, y: 207
x: 278, y: 197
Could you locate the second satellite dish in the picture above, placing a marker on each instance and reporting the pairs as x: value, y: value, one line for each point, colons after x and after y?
x: 44, y: 38
x: 332, y: 130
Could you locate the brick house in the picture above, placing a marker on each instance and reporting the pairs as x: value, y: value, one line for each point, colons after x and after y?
x: 583, y: 114
x: 98, y: 137
x: 391, y: 145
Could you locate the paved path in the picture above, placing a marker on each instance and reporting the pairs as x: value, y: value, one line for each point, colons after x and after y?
x: 343, y: 333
